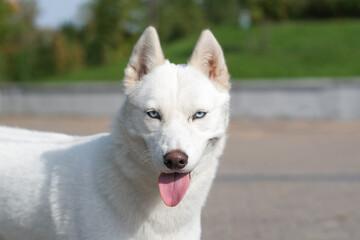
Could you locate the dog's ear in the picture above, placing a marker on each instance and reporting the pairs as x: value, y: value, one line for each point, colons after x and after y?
x: 208, y: 57
x: 147, y: 54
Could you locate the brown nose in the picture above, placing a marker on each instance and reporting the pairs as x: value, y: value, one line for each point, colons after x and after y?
x: 175, y: 160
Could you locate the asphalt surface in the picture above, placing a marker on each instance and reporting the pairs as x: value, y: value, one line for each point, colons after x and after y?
x: 278, y: 180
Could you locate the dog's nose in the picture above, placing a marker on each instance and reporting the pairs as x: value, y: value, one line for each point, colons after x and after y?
x: 175, y: 160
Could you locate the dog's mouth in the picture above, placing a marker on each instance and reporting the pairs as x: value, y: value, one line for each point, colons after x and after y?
x: 173, y: 187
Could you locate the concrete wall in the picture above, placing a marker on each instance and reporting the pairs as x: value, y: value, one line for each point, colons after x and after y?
x: 314, y: 100
x: 297, y: 100
x: 83, y: 99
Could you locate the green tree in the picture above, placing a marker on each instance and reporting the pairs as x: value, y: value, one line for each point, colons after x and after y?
x: 18, y: 38
x: 5, y: 12
x: 68, y: 54
x: 225, y: 11
x: 111, y: 24
x: 178, y: 18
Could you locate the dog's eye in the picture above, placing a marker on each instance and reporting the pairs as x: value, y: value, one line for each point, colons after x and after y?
x: 153, y: 114
x: 198, y: 115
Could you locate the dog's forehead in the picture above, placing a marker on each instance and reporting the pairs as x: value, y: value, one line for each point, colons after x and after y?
x: 178, y: 78
x: 176, y: 83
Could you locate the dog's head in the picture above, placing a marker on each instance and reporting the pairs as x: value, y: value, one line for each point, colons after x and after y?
x: 179, y: 111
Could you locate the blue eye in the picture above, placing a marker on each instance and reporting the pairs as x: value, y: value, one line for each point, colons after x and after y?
x: 153, y: 114
x: 199, y: 115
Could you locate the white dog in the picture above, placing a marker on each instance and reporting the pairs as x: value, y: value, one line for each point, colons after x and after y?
x: 148, y: 179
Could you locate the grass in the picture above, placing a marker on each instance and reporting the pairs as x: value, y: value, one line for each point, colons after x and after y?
x: 272, y: 50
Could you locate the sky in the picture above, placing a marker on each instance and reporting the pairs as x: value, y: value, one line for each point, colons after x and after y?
x: 55, y: 12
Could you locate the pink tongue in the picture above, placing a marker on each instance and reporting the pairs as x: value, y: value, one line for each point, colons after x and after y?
x: 173, y: 187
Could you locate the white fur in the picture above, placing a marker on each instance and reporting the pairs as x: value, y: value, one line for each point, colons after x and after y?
x: 55, y: 186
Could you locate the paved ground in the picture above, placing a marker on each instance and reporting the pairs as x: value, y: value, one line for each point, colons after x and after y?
x: 279, y: 180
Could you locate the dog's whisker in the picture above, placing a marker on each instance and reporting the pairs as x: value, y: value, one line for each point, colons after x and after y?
x: 145, y: 156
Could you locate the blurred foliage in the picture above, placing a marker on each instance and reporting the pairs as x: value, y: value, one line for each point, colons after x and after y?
x: 18, y: 37
x: 295, y: 9
x: 106, y: 31
x: 111, y: 27
x: 180, y: 18
x: 296, y: 49
x: 68, y: 55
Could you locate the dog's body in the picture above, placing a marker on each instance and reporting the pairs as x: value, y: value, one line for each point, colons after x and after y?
x: 169, y: 132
